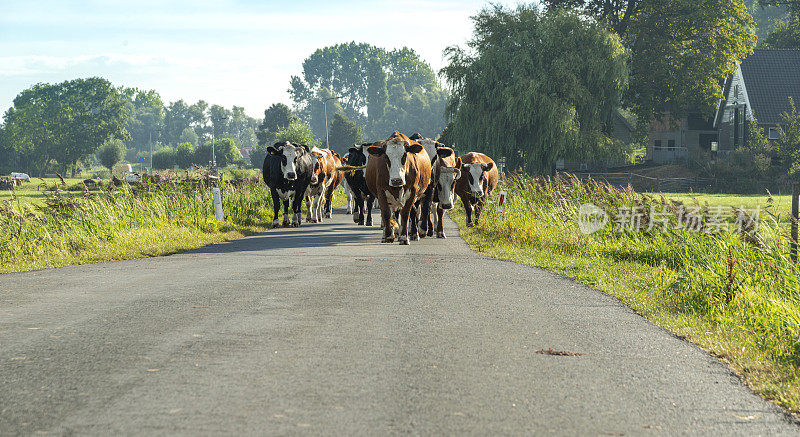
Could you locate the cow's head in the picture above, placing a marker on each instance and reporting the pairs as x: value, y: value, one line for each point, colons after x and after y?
x: 317, y: 174
x: 446, y: 181
x: 288, y: 153
x: 396, y: 150
x: 476, y: 174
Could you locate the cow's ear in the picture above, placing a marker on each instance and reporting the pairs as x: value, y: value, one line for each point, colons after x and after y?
x: 414, y: 148
x: 273, y: 151
x: 376, y: 150
x: 456, y: 173
x: 305, y: 147
x: 354, y: 150
x: 444, y: 152
x: 487, y: 167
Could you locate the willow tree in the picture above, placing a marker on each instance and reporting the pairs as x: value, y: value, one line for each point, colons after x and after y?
x: 536, y: 86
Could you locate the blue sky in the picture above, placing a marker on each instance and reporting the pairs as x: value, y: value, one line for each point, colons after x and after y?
x: 225, y: 52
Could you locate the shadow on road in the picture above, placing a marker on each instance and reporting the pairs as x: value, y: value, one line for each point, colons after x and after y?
x: 308, y: 235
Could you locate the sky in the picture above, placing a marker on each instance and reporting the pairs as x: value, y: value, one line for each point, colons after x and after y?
x: 225, y: 52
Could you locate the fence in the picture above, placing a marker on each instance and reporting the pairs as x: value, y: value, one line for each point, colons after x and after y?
x: 646, y: 183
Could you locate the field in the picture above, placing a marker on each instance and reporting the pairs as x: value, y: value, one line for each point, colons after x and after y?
x: 780, y: 205
x: 67, y: 224
x: 734, y: 292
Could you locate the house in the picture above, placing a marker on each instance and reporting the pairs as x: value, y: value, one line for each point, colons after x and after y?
x: 760, y: 88
x: 670, y: 140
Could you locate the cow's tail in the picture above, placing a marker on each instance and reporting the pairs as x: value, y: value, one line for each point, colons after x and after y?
x: 395, y: 227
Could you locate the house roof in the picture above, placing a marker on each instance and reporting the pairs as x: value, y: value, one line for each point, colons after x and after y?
x: 771, y: 77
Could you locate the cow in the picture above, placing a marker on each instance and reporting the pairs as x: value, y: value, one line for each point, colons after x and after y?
x: 426, y: 210
x: 315, y: 192
x: 398, y: 172
x: 478, y: 179
x: 338, y: 177
x: 288, y: 170
x: 446, y: 171
x: 346, y: 187
x: 357, y: 157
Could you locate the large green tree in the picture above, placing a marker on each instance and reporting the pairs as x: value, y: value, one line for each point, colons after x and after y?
x: 63, y: 123
x: 536, y: 87
x: 111, y: 152
x: 224, y: 149
x: 785, y: 34
x: 275, y: 117
x: 147, y: 116
x: 362, y: 76
x: 344, y: 133
x: 681, y: 49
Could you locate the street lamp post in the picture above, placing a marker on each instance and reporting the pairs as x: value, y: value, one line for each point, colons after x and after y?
x: 325, y: 108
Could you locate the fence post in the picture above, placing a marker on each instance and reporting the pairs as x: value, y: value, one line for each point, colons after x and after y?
x: 793, y: 243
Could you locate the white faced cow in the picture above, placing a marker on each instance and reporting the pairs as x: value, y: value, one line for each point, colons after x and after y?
x: 287, y: 172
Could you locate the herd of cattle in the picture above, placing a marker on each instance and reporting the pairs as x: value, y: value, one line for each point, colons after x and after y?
x: 413, y: 179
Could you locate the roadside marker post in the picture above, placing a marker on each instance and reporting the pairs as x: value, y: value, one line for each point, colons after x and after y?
x: 217, y: 203
x: 501, y: 203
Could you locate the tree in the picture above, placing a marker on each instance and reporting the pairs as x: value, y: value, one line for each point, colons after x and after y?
x: 344, y: 133
x: 111, y: 152
x: 220, y: 119
x: 147, y: 116
x: 680, y: 48
x: 536, y: 87
x: 177, y: 120
x: 164, y: 158
x: 297, y: 133
x: 788, y: 143
x: 785, y: 35
x: 224, y: 149
x: 188, y: 136
x: 275, y: 117
x: 184, y: 155
x: 363, y: 76
x: 66, y: 122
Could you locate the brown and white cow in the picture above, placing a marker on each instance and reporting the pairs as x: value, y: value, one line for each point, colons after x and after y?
x: 338, y: 177
x: 324, y: 171
x: 478, y: 179
x: 398, y: 172
x: 446, y: 171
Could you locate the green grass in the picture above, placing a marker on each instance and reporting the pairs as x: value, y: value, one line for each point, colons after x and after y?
x: 779, y: 204
x: 736, y: 295
x: 59, y: 228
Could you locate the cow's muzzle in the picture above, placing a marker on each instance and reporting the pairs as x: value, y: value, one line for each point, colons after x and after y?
x: 447, y: 206
x: 291, y: 176
x: 396, y: 182
x: 477, y: 194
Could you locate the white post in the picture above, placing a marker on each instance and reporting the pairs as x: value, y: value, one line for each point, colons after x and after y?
x: 217, y: 203
x: 501, y: 203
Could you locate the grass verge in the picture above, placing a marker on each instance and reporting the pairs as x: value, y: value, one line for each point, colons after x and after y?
x: 734, y: 295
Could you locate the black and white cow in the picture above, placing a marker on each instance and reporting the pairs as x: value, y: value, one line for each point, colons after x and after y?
x: 357, y: 157
x: 426, y: 209
x: 288, y: 170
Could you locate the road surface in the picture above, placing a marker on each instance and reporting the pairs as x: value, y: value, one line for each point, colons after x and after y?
x: 323, y: 330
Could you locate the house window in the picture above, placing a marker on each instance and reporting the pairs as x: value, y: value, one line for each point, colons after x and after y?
x: 657, y: 144
x: 671, y: 144
x: 773, y: 133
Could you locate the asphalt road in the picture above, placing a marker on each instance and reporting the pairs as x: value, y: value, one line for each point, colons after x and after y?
x: 323, y: 330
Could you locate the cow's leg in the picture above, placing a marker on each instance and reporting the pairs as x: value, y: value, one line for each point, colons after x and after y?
x: 286, y: 213
x: 439, y: 224
x: 309, y: 208
x: 388, y: 220
x: 276, y: 207
x: 349, y: 193
x: 426, y: 209
x: 370, y: 202
x: 358, y: 217
x: 320, y: 205
x: 405, y: 214
x: 468, y: 210
x: 328, y: 204
x: 297, y: 205
x: 413, y: 225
